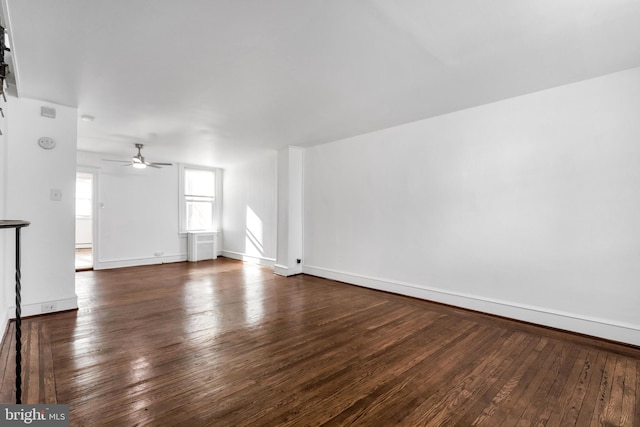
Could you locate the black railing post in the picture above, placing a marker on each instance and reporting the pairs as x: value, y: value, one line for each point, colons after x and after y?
x: 18, y: 322
x: 17, y: 225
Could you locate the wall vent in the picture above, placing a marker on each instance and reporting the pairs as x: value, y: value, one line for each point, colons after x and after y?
x: 48, y: 112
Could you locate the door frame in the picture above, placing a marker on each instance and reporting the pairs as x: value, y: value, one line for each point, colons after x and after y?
x: 94, y: 171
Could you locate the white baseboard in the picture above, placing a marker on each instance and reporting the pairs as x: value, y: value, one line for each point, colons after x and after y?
x: 283, y: 270
x: 36, y: 308
x: 588, y: 325
x: 4, y: 320
x: 133, y: 262
x: 267, y: 262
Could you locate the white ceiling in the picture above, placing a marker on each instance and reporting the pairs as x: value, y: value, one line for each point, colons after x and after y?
x: 214, y: 81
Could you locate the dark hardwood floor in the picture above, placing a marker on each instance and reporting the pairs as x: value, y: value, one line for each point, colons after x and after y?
x: 222, y: 343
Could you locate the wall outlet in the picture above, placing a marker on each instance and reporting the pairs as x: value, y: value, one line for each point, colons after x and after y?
x: 298, y: 261
x: 48, y: 307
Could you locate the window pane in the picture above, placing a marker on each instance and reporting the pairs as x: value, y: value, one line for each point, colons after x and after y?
x: 199, y: 182
x: 83, y: 207
x: 199, y: 215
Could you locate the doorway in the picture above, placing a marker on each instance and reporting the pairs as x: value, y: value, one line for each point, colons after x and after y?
x: 84, y: 221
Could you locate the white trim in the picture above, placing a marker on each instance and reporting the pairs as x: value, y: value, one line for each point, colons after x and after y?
x: 4, y: 315
x: 95, y: 208
x: 297, y: 269
x: 251, y: 259
x: 36, y: 308
x: 283, y: 270
x: 588, y: 325
x: 217, y: 206
x: 134, y: 262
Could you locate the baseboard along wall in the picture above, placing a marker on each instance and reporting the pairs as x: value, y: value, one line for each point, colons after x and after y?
x: 133, y: 262
x: 602, y: 328
x: 282, y: 270
x: 45, y: 307
x: 252, y: 259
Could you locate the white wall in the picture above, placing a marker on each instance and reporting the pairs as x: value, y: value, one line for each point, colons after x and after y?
x: 48, y: 272
x: 5, y: 236
x: 526, y: 208
x: 137, y: 214
x: 249, y: 210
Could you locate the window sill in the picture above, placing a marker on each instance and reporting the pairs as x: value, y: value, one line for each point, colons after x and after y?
x: 184, y: 233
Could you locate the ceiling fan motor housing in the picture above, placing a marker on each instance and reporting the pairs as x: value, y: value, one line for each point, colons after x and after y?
x: 138, y: 157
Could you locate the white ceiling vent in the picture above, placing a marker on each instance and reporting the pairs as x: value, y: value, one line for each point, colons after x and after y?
x: 48, y: 112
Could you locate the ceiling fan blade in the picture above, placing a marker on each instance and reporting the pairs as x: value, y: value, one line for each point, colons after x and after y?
x: 138, y: 161
x: 119, y: 161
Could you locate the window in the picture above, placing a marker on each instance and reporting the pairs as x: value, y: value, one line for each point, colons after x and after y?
x: 198, y: 204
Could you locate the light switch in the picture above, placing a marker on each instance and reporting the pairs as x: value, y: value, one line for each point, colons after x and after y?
x: 56, y: 194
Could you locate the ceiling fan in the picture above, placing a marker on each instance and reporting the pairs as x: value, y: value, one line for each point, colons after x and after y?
x: 139, y: 162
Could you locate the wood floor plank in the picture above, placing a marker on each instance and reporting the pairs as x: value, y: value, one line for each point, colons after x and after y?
x: 592, y: 389
x: 384, y: 395
x: 629, y: 393
x: 574, y: 406
x: 604, y: 391
x: 24, y: 361
x: 545, y: 400
x: 445, y: 406
x: 565, y: 402
x: 355, y: 378
x: 48, y: 392
x: 538, y: 401
x: 227, y: 343
x: 487, y: 404
x: 441, y: 369
x: 510, y: 395
x: 8, y: 367
x: 32, y: 364
x: 636, y: 415
x: 612, y: 413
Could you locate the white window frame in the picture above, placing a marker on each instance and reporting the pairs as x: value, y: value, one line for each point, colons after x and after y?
x: 217, y: 198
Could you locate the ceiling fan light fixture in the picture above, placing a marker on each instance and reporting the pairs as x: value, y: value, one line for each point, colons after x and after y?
x: 139, y: 165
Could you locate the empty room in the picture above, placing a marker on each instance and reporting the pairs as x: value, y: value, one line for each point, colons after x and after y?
x: 305, y: 212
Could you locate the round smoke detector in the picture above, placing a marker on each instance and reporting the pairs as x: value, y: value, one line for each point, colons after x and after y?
x: 46, y: 143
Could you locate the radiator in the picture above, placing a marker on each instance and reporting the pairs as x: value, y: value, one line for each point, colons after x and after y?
x: 201, y: 245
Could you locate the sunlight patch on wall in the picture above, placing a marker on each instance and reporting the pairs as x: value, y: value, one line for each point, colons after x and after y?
x: 254, y: 234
